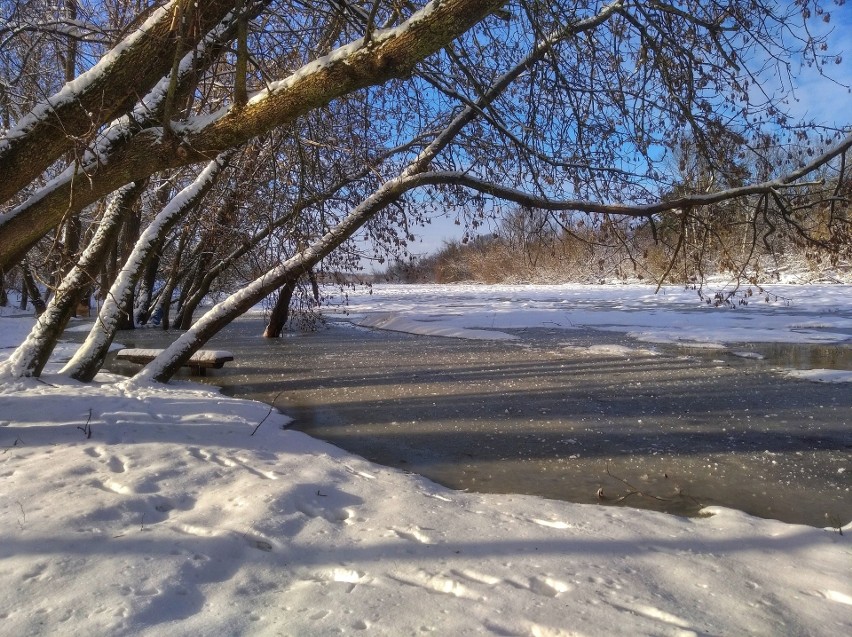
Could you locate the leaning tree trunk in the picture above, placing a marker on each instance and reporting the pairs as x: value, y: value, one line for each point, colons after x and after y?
x: 391, y: 53
x: 32, y: 355
x: 281, y: 311
x: 163, y: 367
x: 89, y: 358
x: 101, y: 94
x: 166, y: 364
x: 171, y: 282
x: 32, y: 290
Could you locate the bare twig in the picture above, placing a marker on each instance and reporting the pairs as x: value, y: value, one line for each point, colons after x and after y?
x: 271, y: 407
x: 87, y: 428
x: 632, y: 491
x: 13, y: 445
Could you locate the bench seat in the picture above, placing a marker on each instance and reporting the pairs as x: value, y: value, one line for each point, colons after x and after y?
x: 201, y: 360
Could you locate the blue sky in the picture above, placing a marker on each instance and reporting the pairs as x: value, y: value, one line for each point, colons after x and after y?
x: 813, y: 97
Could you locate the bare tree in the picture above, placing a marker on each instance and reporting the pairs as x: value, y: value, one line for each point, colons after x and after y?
x: 564, y: 108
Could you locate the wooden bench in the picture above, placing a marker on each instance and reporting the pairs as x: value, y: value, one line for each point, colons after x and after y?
x: 201, y: 361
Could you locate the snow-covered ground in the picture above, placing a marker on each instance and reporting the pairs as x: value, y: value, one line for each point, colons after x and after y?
x: 155, y: 511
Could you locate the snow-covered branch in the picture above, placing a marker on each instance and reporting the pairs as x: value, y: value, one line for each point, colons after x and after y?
x: 390, y: 53
x: 89, y: 357
x: 100, y: 94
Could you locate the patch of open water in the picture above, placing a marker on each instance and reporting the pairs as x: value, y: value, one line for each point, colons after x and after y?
x: 579, y: 415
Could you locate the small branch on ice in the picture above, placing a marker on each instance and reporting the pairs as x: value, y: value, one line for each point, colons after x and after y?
x: 87, y: 428
x: 13, y: 445
x: 632, y: 491
x: 271, y: 407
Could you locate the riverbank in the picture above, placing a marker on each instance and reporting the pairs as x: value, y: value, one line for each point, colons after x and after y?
x: 156, y: 510
x: 563, y: 415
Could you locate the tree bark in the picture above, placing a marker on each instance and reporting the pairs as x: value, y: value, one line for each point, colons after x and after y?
x: 89, y: 358
x: 146, y: 289
x: 281, y: 312
x: 127, y: 239
x: 172, y: 281
x: 25, y: 297
x: 32, y: 289
x: 32, y: 355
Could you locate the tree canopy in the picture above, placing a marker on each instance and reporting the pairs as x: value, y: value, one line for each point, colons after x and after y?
x: 154, y: 148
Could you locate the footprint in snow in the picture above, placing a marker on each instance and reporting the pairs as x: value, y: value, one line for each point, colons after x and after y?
x: 260, y: 544
x: 435, y: 584
x: 652, y: 612
x: 312, y: 510
x: 129, y: 417
x: 413, y: 534
x: 117, y: 465
x: 36, y: 572
x: 230, y: 462
x: 326, y: 502
x: 544, y: 585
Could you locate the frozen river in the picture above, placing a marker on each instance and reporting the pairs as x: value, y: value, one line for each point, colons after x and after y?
x: 581, y: 415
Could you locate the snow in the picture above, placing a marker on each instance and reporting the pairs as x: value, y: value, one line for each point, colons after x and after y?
x: 399, y: 324
x: 103, y: 330
x: 814, y: 314
x: 143, y: 509
x: 821, y: 375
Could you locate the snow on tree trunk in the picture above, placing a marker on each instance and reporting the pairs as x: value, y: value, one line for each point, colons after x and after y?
x: 391, y: 53
x: 163, y: 367
x: 100, y: 94
x: 35, y: 216
x: 89, y: 358
x: 32, y: 355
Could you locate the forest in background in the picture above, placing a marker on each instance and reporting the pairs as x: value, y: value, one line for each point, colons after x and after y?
x: 526, y: 246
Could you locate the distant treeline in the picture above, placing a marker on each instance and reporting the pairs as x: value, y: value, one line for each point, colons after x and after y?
x: 530, y: 246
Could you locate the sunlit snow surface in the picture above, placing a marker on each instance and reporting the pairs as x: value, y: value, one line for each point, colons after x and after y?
x: 156, y: 512
x: 793, y: 314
